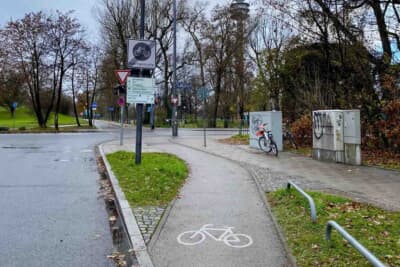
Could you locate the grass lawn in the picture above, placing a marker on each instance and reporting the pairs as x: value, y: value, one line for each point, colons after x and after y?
x: 155, y: 182
x: 375, y: 229
x: 24, y: 117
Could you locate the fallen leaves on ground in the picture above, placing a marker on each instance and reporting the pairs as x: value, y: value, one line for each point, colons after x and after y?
x: 381, y: 158
x: 118, y: 258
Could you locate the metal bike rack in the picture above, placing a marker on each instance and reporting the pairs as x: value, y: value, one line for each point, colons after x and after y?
x: 310, y: 200
x: 365, y: 252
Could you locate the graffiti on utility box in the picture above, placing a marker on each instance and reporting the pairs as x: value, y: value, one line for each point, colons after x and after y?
x: 322, y: 123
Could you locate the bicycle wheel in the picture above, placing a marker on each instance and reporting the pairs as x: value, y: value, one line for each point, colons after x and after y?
x: 238, y: 240
x: 190, y: 238
x: 274, y: 148
x: 264, y: 146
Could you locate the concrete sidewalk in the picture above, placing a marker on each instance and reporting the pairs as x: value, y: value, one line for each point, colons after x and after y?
x: 368, y: 184
x: 221, y: 193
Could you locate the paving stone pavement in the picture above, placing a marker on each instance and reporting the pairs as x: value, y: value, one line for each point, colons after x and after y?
x: 148, y: 218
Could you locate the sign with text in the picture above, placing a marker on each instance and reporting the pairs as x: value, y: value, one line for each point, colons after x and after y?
x: 181, y: 85
x: 141, y: 54
x: 140, y: 90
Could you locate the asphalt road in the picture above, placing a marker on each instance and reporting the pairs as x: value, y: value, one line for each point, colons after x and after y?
x: 51, y: 213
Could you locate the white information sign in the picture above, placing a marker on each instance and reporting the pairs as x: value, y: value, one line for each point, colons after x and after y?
x: 140, y: 90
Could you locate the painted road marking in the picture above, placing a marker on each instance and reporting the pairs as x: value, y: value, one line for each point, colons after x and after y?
x: 226, y: 235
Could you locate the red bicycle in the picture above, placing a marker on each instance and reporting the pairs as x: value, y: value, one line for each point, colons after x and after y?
x: 266, y: 140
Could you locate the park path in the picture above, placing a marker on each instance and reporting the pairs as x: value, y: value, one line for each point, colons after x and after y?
x: 221, y: 193
x: 369, y: 184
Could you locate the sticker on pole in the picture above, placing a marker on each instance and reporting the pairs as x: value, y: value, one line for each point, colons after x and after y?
x: 174, y: 99
x: 122, y: 75
x: 121, y: 101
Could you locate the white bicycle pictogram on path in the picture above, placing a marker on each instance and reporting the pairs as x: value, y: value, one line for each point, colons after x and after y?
x: 195, y: 237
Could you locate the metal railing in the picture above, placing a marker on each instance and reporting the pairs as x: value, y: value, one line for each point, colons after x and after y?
x: 365, y: 252
x: 310, y: 200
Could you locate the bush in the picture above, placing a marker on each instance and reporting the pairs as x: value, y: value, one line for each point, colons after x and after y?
x: 302, y: 130
x: 385, y: 132
x: 23, y: 128
x: 3, y: 129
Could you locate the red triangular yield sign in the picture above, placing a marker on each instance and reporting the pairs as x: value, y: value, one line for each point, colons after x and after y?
x: 122, y: 75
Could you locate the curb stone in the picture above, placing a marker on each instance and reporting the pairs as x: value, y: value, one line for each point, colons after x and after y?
x: 291, y: 258
x: 134, y: 235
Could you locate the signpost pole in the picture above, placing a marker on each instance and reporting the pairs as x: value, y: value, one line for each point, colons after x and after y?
x: 204, y: 119
x: 121, y: 137
x: 14, y: 109
x: 139, y: 106
x: 174, y: 104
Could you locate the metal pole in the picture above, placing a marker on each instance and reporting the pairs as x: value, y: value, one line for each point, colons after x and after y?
x: 139, y: 107
x: 121, y: 138
x: 174, y: 107
x: 308, y: 197
x: 365, y: 252
x: 204, y: 121
x: 153, y: 106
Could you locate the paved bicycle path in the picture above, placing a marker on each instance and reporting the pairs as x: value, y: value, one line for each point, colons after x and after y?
x: 376, y: 186
x: 221, y: 193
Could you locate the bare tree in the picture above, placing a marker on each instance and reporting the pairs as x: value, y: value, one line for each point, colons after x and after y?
x: 66, y: 41
x: 91, y: 78
x: 160, y: 28
x: 11, y: 83
x: 219, y: 50
x: 27, y: 42
x: 119, y: 21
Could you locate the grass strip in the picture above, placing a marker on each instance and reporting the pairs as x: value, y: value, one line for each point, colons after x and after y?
x: 24, y: 117
x: 238, y: 139
x: 156, y: 181
x: 376, y: 229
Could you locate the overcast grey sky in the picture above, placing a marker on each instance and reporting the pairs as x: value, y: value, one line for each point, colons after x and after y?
x: 84, y: 10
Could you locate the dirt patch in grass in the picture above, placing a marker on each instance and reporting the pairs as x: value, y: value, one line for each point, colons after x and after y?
x: 236, y: 140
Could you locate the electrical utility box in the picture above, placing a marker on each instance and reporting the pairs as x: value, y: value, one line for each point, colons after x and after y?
x: 273, y: 119
x: 337, y: 136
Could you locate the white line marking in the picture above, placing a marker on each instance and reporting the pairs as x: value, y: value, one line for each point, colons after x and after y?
x: 195, y: 237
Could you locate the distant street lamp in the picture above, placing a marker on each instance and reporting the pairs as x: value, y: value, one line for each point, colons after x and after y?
x: 240, y: 12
